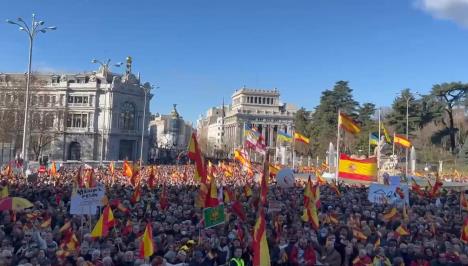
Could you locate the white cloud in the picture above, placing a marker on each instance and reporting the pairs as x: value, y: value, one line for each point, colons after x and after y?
x: 454, y: 10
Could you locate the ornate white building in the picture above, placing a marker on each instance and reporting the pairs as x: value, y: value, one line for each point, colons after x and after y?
x: 169, y: 134
x: 80, y: 117
x: 223, y: 126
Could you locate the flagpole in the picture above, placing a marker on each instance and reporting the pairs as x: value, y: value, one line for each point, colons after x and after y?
x: 368, y: 146
x: 378, y: 143
x: 337, y: 147
x: 293, y: 150
x: 393, y: 153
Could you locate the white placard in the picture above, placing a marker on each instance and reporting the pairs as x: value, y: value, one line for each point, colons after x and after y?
x: 86, y: 200
x: 380, y: 194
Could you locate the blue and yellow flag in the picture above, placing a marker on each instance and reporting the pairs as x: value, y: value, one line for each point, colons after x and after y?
x: 283, y: 136
x: 373, y: 139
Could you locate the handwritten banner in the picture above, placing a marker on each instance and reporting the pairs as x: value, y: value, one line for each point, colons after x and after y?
x: 86, y: 200
x: 388, y: 194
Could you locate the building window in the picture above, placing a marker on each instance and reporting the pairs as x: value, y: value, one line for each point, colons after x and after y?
x: 263, y: 100
x: 49, y: 120
x: 127, y: 116
x: 77, y: 120
x: 78, y: 100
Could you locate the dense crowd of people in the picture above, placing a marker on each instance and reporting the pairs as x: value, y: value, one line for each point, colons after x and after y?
x: 26, y: 238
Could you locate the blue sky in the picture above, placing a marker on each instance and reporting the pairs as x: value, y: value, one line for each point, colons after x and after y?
x: 199, y: 51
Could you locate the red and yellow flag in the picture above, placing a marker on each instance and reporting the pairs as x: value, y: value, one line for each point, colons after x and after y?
x: 229, y: 195
x: 464, y: 233
x: 105, y: 222
x: 147, y: 246
x: 357, y: 169
x: 348, y: 124
x: 402, y: 141
x: 136, y: 194
x: 195, y: 155
x: 65, y: 227
x: 151, y: 177
x: 264, y: 182
x: 335, y: 188
x: 212, y: 195
x: 273, y: 170
x: 261, y: 253
x: 301, y: 138
x: 112, y: 168
x: 463, y: 201
x: 47, y: 222
x: 127, y: 169
x: 390, y: 215
x: 402, y: 231
x: 53, y: 169
x: 358, y: 234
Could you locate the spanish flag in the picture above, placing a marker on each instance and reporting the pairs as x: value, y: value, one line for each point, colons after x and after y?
x: 195, y: 155
x: 358, y: 234
x: 136, y: 194
x: 127, y: 169
x: 416, y: 188
x: 151, y: 177
x: 147, y: 246
x: 464, y: 233
x: 463, y: 201
x: 301, y: 138
x: 212, y: 196
x: 401, y: 141
x: 53, y: 169
x: 390, y: 215
x: 112, y: 168
x: 65, y: 227
x: 348, y: 124
x: 105, y: 222
x: 402, y: 231
x: 229, y: 196
x: 357, y: 169
x: 273, y: 170
x: 47, y: 222
x: 261, y: 253
x: 70, y: 242
x: 335, y: 188
x: 310, y: 215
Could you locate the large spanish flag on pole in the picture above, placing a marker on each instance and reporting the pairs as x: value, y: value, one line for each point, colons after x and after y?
x: 195, y: 155
x: 348, y: 124
x: 402, y: 141
x: 357, y: 169
x: 260, y: 244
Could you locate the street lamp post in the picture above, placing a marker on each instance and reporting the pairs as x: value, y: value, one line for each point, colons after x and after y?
x: 407, y: 98
x: 146, y: 90
x: 105, y: 70
x: 36, y: 26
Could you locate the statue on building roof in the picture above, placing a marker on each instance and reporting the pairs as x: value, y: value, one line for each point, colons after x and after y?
x: 174, y: 112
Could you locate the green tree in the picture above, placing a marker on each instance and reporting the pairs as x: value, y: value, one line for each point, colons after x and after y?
x: 368, y: 125
x: 325, y: 117
x: 450, y: 95
x: 397, y: 118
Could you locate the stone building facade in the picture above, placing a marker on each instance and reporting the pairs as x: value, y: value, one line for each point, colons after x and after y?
x: 77, y: 117
x: 169, y: 135
x: 262, y: 109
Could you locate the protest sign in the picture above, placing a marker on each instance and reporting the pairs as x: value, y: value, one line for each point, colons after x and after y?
x: 381, y: 194
x: 214, y: 216
x: 86, y: 200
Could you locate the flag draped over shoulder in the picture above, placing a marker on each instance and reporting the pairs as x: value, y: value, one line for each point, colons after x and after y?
x: 105, y: 222
x: 348, y: 124
x: 261, y: 253
x: 147, y: 246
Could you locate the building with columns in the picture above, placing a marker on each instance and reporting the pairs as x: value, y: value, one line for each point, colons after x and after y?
x: 169, y: 135
x: 77, y: 117
x: 261, y: 109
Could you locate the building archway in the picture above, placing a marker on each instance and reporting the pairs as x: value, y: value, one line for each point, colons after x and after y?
x: 74, y: 151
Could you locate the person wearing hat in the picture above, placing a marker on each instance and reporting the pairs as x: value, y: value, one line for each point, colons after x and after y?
x: 237, y: 259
